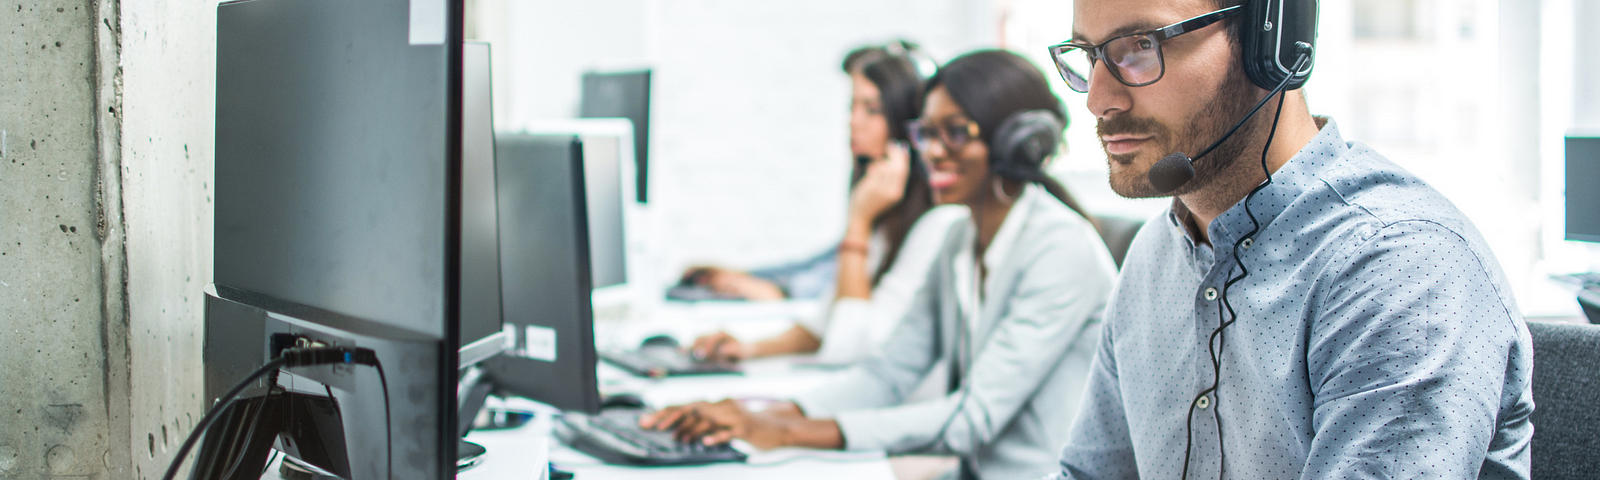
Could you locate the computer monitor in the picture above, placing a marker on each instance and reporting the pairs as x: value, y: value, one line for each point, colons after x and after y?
x: 623, y: 94
x: 480, y: 231
x: 545, y: 273
x: 1583, y: 188
x: 340, y: 219
x: 481, y: 333
x: 615, y: 248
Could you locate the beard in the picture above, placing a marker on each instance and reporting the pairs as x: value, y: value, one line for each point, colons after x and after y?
x: 1232, y: 100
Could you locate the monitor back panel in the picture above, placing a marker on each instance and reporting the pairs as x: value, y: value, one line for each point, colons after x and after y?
x: 623, y: 95
x: 608, y: 250
x: 480, y: 235
x: 545, y: 273
x: 1583, y: 188
x: 332, y: 158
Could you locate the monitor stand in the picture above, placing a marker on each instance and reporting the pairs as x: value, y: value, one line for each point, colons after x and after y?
x: 468, y: 455
x: 1589, y: 299
x: 294, y: 469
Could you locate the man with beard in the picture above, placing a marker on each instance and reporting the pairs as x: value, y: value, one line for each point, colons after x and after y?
x: 1306, y: 308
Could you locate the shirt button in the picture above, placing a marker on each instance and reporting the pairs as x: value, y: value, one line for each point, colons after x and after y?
x: 1211, y: 293
x: 1247, y: 242
x: 1203, y: 402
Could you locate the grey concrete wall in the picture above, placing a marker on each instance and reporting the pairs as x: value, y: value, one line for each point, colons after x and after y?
x: 105, y: 232
x: 168, y: 78
x: 56, y: 242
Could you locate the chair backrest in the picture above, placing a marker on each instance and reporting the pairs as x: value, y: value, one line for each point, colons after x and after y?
x: 1566, y: 396
x: 1118, y: 234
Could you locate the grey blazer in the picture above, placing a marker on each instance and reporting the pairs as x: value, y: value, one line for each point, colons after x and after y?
x: 1026, y: 364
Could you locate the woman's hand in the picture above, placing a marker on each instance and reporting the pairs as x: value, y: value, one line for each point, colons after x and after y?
x: 721, y: 422
x: 719, y: 347
x: 882, y: 186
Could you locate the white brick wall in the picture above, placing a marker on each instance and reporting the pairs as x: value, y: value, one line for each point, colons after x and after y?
x: 749, y: 155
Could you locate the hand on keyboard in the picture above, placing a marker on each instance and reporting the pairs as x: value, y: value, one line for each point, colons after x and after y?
x: 721, y: 422
x: 615, y: 436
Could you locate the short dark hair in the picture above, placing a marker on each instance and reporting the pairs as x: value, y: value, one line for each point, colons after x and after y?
x: 1236, y: 25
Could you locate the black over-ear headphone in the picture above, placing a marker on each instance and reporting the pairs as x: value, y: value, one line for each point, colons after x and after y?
x: 1277, y: 40
x: 1268, y: 34
x: 1018, y: 148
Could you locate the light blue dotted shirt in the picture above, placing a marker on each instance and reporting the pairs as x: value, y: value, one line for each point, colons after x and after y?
x: 1376, y: 338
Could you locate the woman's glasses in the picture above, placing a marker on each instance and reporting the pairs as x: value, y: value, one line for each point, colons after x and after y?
x: 954, y: 135
x: 1135, y: 58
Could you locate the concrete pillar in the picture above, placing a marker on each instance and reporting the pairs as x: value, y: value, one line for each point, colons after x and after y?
x: 105, y: 232
x: 168, y: 56
x: 60, y: 253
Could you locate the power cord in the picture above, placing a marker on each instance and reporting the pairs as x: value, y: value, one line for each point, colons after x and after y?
x: 272, y: 381
x: 1216, y: 341
x: 292, y: 357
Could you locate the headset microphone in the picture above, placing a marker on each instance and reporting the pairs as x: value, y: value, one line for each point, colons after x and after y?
x: 1176, y: 169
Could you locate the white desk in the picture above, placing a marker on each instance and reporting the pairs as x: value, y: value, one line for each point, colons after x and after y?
x: 777, y: 378
x: 521, y: 453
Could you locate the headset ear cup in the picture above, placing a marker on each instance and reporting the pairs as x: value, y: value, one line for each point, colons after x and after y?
x: 1022, y: 143
x: 1268, y: 34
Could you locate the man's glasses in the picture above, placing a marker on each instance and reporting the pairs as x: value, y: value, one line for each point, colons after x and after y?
x: 1135, y: 59
x: 954, y: 135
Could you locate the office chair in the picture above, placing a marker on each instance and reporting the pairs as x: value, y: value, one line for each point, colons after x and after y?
x: 1566, y: 396
x: 1118, y: 234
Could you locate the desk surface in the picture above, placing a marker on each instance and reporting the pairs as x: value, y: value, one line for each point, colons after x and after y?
x: 776, y: 378
x: 520, y: 453
x: 509, y: 450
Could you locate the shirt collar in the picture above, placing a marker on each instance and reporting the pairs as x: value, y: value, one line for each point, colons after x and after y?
x: 1297, y: 175
x: 1006, y: 237
x: 1004, y: 240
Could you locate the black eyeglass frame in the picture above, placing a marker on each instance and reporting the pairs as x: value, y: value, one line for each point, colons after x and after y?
x: 1098, y: 52
x: 912, y: 132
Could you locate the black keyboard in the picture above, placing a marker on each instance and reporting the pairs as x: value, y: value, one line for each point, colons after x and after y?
x: 1583, y: 279
x: 663, y: 361
x: 614, y: 436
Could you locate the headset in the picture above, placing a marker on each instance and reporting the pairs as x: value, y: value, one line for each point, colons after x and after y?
x: 924, y: 67
x: 920, y: 60
x: 1277, y: 42
x: 1273, y: 36
x: 1017, y: 151
x: 1023, y: 141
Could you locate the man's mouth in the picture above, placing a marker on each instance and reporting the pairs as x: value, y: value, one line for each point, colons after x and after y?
x: 1123, y: 144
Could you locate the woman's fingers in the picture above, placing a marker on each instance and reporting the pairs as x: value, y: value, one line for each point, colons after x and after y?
x: 711, y: 347
x: 665, y: 418
x: 718, y: 438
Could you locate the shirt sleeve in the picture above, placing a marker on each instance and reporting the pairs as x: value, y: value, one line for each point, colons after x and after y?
x: 804, y: 279
x: 889, y: 376
x: 1409, y: 355
x: 1061, y: 288
x: 858, y: 327
x: 1100, y: 445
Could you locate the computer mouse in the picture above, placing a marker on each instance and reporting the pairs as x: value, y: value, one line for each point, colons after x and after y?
x: 622, y: 400
x: 659, y: 341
